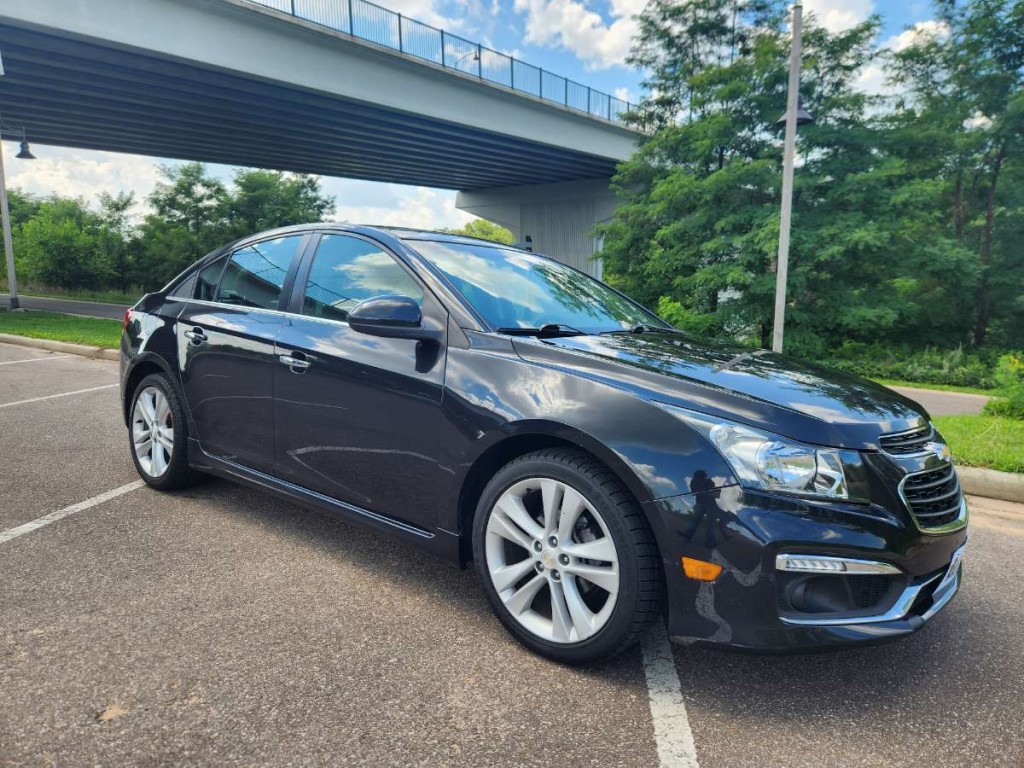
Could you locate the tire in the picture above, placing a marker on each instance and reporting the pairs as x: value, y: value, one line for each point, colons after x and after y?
x: 534, y: 569
x: 163, y: 464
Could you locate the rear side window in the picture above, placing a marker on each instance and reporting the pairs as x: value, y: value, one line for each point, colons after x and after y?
x: 206, y: 282
x: 347, y: 270
x: 255, y: 274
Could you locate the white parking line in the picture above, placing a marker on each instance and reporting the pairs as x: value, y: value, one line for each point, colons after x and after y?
x: 60, y: 514
x: 62, y: 394
x: 35, y: 359
x: 672, y: 733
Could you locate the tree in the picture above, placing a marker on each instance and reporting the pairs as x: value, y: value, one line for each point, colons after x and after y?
x: 485, y: 230
x: 266, y: 199
x: 61, y: 246
x: 697, y: 232
x: 963, y: 89
x: 118, y: 238
x: 187, y: 222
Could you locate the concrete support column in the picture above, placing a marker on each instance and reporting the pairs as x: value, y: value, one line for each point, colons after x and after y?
x: 560, y: 218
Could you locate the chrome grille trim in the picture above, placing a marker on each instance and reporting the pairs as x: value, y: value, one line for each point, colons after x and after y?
x: 908, y: 443
x: 921, y: 501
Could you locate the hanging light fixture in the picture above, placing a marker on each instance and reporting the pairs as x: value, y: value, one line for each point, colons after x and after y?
x: 25, y: 153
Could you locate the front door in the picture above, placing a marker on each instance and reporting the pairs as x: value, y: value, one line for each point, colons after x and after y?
x: 226, y: 337
x: 358, y: 416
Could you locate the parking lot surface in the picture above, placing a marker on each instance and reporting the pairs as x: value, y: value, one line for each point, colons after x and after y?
x: 218, y: 625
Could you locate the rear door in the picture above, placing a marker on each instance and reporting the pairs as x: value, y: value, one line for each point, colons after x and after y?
x: 226, y: 337
x: 358, y: 416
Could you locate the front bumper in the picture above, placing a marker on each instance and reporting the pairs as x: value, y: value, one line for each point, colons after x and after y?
x: 745, y: 532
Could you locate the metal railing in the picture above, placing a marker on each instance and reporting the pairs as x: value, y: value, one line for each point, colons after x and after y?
x: 370, y: 22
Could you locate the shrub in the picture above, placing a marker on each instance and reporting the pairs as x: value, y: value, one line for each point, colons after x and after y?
x: 928, y: 366
x: 1009, y: 376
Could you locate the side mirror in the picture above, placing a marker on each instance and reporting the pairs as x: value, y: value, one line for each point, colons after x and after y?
x: 394, y: 317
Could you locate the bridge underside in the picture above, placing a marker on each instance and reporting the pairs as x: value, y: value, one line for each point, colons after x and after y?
x: 78, y: 92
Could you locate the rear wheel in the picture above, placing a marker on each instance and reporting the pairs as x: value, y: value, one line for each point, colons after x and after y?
x: 567, y: 559
x: 158, y: 434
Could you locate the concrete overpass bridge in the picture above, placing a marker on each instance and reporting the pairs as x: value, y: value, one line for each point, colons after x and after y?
x: 334, y: 87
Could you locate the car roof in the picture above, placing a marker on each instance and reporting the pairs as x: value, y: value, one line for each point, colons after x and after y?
x: 402, y: 233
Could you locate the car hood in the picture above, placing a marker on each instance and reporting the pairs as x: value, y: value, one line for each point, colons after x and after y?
x: 775, y: 392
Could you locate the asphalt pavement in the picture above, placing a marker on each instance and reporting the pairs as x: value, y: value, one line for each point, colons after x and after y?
x: 220, y: 626
x: 69, y: 306
x: 939, y: 403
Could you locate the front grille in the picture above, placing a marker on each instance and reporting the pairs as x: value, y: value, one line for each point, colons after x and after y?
x: 933, y: 496
x: 902, y: 443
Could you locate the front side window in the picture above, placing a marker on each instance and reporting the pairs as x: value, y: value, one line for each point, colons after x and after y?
x: 347, y: 270
x: 255, y: 275
x: 516, y: 289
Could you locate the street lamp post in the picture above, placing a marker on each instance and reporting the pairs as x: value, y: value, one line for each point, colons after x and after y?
x: 5, y: 214
x: 794, y: 115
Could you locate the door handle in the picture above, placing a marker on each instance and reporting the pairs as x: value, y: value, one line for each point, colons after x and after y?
x: 297, y: 364
x: 196, y: 336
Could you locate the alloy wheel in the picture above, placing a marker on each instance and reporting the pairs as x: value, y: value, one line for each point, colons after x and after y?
x: 153, y: 431
x: 552, y: 560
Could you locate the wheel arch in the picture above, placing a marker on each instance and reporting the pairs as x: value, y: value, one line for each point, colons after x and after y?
x: 144, y: 365
x: 528, y: 437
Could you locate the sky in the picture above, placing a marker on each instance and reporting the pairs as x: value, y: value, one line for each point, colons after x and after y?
x: 585, y: 40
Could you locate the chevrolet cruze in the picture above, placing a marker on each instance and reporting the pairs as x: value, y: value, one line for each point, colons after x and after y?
x: 596, y: 465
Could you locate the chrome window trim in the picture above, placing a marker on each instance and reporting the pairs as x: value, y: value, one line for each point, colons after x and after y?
x: 956, y: 524
x: 948, y: 586
x: 853, y: 567
x: 239, y: 307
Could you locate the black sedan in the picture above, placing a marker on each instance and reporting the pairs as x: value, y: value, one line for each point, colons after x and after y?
x: 498, y: 407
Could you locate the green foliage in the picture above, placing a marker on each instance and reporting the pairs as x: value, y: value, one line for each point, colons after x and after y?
x: 485, y: 230
x: 267, y: 199
x: 1009, y: 376
x: 908, y: 211
x: 63, y: 245
x: 930, y: 365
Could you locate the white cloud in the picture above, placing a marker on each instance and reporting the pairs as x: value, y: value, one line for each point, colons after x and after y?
x: 572, y: 25
x: 417, y: 207
x: 80, y: 173
x: 921, y: 32
x: 839, y: 15
x: 83, y: 173
x: 873, y: 77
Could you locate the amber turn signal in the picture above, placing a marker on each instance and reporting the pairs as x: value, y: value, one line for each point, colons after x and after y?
x: 700, y: 570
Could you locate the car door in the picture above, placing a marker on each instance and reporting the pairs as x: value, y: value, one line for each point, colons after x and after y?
x: 226, y: 337
x: 358, y: 416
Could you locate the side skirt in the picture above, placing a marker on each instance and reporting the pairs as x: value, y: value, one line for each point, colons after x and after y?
x: 440, y: 542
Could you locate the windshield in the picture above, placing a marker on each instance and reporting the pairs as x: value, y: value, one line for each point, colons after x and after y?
x: 517, y: 289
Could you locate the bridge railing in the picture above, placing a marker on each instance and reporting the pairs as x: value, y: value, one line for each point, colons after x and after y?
x: 384, y: 27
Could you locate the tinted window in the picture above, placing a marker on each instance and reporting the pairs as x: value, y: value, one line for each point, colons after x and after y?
x: 515, y: 289
x: 255, y: 274
x: 206, y: 283
x: 347, y: 270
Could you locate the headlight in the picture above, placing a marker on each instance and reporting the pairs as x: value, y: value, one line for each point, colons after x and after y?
x: 770, y: 462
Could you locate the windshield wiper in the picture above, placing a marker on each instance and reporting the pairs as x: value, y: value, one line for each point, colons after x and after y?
x: 548, y: 329
x: 642, y: 329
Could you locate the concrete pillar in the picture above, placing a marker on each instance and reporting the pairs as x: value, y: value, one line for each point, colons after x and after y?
x: 560, y: 218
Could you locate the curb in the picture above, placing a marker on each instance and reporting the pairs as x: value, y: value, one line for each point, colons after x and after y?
x: 992, y: 484
x: 96, y: 353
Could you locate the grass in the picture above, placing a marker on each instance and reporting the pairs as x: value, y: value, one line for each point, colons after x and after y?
x: 104, y: 297
x: 939, y: 387
x: 994, y: 442
x: 94, y: 331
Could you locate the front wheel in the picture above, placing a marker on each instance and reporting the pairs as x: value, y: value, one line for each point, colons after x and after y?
x: 159, y: 435
x: 568, y: 562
